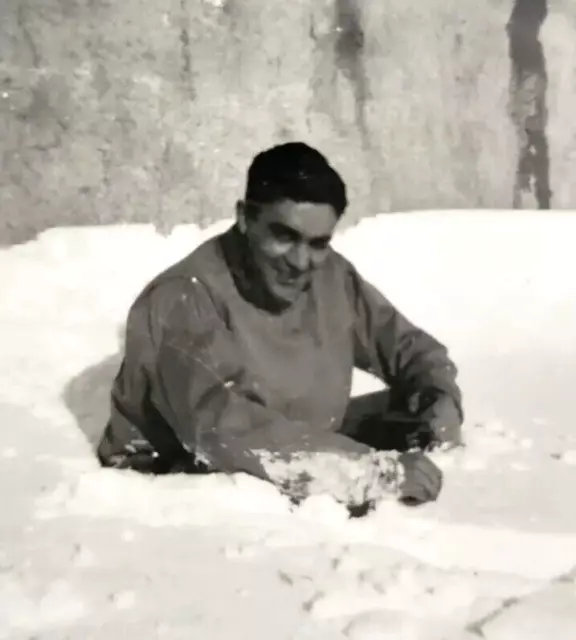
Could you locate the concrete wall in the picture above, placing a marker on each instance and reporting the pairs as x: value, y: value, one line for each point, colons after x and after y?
x: 151, y: 111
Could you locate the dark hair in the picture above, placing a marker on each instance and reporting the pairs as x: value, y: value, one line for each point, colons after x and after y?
x: 295, y: 171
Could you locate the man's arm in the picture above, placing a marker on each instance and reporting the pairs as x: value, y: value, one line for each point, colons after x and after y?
x: 416, y: 366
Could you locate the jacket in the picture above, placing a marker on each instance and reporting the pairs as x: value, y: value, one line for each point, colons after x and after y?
x: 209, y: 370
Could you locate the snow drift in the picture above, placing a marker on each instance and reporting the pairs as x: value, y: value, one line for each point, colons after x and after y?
x: 92, y: 553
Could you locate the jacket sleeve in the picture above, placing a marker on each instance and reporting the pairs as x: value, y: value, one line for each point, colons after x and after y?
x: 207, y: 396
x: 414, y: 364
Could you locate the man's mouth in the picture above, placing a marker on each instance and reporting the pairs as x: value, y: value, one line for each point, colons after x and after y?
x: 291, y: 281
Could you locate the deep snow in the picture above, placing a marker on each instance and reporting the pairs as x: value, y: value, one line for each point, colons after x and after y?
x: 92, y: 553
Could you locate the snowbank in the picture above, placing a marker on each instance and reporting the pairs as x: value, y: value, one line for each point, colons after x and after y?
x: 88, y: 553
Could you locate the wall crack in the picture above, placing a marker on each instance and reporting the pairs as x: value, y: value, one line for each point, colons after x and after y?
x: 186, y: 49
x: 528, y: 111
x: 22, y: 20
x: 349, y: 50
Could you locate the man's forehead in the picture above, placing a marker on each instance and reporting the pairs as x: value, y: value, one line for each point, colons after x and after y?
x: 310, y: 220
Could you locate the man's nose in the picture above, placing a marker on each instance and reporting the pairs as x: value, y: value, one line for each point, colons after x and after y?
x: 299, y: 258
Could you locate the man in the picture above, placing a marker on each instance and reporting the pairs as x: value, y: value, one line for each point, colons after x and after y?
x: 239, y: 357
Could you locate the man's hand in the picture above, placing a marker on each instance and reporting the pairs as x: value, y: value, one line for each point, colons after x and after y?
x: 440, y: 417
x: 422, y: 479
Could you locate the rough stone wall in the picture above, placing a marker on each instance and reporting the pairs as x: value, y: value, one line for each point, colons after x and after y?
x: 151, y: 111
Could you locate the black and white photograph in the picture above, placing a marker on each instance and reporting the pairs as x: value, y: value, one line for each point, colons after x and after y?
x: 287, y: 319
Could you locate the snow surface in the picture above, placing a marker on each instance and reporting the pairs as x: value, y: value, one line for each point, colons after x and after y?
x: 87, y: 553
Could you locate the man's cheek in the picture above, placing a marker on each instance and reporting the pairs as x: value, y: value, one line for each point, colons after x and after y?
x: 319, y: 258
x: 271, y: 247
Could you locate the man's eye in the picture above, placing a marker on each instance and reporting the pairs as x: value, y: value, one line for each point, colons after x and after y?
x: 284, y: 237
x: 320, y: 245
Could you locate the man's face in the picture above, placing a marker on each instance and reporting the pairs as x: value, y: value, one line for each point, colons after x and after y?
x: 288, y: 240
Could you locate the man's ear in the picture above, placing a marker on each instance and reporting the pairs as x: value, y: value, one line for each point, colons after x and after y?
x: 241, y: 216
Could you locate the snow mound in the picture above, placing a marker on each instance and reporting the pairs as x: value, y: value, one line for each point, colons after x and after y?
x: 93, y: 553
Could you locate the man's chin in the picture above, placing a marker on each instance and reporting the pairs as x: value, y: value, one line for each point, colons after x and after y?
x: 286, y: 295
